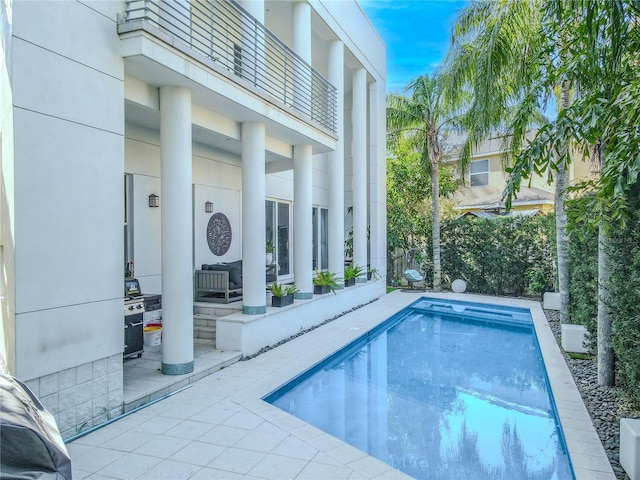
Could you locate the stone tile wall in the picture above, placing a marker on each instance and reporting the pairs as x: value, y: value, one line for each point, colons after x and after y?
x: 84, y: 396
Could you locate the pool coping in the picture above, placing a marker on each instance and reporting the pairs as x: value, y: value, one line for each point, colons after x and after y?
x: 588, y: 457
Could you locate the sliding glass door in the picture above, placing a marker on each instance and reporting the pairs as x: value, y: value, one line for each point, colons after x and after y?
x: 320, y: 246
x: 278, y: 230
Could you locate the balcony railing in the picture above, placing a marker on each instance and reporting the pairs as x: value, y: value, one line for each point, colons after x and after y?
x: 226, y: 34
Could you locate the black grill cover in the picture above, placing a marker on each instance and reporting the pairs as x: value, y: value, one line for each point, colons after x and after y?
x: 31, y: 446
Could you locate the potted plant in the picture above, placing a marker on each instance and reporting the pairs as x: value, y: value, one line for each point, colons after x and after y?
x: 325, y: 282
x: 282, y: 295
x: 351, y: 273
x: 348, y: 245
x: 373, y: 273
x: 269, y: 252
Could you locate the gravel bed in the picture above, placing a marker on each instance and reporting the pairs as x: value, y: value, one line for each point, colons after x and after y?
x: 606, y: 405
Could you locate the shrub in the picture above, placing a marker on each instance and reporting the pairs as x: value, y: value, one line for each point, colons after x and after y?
x: 583, y: 268
x: 623, y: 248
x: 500, y: 256
x: 624, y: 298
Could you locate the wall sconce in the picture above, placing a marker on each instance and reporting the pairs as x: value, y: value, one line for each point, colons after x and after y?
x: 208, y: 207
x: 154, y: 200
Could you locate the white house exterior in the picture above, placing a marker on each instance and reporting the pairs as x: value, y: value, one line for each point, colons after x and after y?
x: 256, y: 107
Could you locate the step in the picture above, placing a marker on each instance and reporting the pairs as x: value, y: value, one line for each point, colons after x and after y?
x: 216, y: 309
x: 204, y: 326
x: 200, y: 320
x: 208, y: 333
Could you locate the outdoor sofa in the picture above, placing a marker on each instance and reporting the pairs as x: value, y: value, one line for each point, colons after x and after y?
x: 219, y: 282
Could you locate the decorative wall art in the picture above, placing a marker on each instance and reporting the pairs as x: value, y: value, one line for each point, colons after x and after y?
x: 219, y: 234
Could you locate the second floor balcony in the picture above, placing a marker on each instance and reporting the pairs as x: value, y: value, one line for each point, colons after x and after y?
x: 223, y: 33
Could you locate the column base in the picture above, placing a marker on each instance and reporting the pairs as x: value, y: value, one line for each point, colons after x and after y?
x: 259, y: 310
x: 177, y: 368
x: 303, y: 295
x: 361, y: 280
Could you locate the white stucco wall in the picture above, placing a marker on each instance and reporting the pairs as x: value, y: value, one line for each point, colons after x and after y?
x: 7, y: 238
x: 68, y: 119
x: 227, y: 202
x: 378, y: 177
x: 353, y: 27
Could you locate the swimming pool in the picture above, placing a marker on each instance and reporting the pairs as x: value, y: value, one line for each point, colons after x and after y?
x: 442, y: 390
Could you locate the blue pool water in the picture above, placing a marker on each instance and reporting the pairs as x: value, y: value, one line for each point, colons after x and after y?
x: 442, y: 390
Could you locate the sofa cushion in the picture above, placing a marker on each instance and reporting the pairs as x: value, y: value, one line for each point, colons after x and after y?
x: 235, y: 273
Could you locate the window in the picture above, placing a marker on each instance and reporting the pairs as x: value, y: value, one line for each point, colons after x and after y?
x: 479, y: 173
x: 320, y: 248
x: 237, y: 59
x: 278, y: 230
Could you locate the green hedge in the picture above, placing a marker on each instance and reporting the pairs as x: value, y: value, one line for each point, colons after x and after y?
x: 498, y: 256
x: 583, y: 268
x: 623, y: 283
x: 624, y: 298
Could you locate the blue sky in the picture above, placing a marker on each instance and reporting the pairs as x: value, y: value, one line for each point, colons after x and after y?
x: 416, y: 33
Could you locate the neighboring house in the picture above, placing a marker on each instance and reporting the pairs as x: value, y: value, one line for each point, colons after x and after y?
x: 126, y: 127
x: 486, y: 180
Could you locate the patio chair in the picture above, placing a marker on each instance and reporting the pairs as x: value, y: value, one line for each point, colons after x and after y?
x: 411, y: 274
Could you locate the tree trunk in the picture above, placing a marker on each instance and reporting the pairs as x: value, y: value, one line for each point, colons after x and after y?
x: 562, y: 242
x: 435, y: 205
x: 606, y: 376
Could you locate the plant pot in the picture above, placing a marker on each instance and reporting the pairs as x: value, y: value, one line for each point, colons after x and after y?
x: 350, y: 282
x: 281, y: 301
x: 369, y: 275
x: 321, y: 289
x: 268, y: 258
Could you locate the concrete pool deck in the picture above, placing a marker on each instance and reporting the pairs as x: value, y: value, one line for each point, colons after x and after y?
x: 219, y: 427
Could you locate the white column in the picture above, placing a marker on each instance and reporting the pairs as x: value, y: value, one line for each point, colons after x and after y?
x: 302, y: 166
x: 302, y: 224
x: 302, y: 30
x: 254, y: 285
x: 359, y: 122
x: 255, y: 8
x: 378, y: 177
x: 177, y: 230
x: 302, y: 46
x: 336, y: 164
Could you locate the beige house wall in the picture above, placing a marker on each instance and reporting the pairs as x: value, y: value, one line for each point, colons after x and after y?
x: 474, y: 199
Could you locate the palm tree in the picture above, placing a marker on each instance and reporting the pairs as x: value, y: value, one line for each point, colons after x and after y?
x: 605, y: 67
x: 498, y: 52
x: 590, y: 45
x: 422, y: 117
